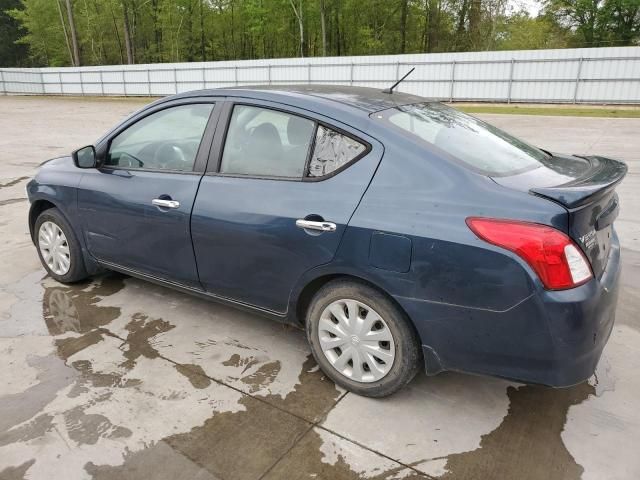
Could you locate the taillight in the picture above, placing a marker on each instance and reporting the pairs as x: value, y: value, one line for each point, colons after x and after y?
x: 554, y: 257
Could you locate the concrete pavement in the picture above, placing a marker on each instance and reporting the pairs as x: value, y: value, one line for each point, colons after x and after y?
x: 119, y: 378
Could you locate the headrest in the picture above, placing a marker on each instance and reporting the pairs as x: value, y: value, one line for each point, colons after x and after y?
x: 299, y: 131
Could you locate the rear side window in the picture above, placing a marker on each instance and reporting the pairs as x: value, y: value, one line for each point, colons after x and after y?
x: 482, y: 147
x: 264, y: 142
x: 270, y: 143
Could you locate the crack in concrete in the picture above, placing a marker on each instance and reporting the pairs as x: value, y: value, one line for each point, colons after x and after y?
x: 13, y: 182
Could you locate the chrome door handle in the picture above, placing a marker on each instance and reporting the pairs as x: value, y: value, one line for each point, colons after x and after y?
x: 320, y: 226
x: 161, y: 202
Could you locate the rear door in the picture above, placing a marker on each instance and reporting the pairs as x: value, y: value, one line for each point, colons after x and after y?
x: 280, y: 190
x: 136, y: 207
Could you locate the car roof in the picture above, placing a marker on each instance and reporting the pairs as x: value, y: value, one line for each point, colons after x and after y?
x: 364, y: 99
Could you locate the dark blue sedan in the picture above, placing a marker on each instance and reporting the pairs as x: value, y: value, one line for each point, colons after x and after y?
x: 399, y: 232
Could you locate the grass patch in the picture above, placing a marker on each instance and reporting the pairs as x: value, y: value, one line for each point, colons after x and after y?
x: 610, y: 112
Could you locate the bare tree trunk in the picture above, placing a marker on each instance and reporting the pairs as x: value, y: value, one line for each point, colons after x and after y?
x: 341, y: 48
x: 323, y: 26
x: 66, y: 35
x: 115, y: 28
x: 127, y: 33
x: 202, y: 44
x: 474, y: 24
x: 74, y: 34
x: 190, y: 39
x: 461, y: 36
x: 156, y: 30
x: 403, y: 26
x: 435, y: 10
x: 298, y: 13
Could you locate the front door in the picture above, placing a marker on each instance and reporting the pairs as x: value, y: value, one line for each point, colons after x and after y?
x: 278, y: 203
x: 136, y: 207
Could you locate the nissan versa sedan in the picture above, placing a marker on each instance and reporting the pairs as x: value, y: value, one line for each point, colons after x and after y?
x: 400, y: 233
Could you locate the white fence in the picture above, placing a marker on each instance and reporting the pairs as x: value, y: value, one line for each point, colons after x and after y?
x: 596, y: 75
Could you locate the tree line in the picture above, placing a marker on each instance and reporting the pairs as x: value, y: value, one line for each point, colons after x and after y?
x: 98, y: 32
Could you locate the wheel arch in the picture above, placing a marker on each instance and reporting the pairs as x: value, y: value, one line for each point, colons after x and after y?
x: 306, y: 291
x: 43, y: 204
x: 37, y: 207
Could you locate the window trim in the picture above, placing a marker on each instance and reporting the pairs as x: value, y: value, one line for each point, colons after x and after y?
x: 200, y: 160
x: 215, y: 163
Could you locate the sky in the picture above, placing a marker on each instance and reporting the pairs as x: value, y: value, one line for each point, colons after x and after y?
x: 532, y: 6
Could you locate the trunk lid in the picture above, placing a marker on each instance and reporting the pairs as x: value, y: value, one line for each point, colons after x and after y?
x: 585, y: 186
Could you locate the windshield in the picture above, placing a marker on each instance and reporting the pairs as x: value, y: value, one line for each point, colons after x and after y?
x: 477, y: 144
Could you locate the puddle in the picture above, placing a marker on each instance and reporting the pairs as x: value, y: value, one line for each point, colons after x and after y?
x: 52, y: 376
x: 17, y: 473
x: 114, y: 403
x: 263, y: 376
x: 33, y: 429
x: 141, y: 330
x: 233, y: 445
x: 68, y: 347
x: 195, y: 374
x: 87, y: 429
x: 74, y: 308
x: 91, y: 379
x: 127, y: 406
x: 321, y: 454
x: 528, y: 443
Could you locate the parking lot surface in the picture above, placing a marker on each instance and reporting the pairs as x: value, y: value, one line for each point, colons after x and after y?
x: 121, y: 379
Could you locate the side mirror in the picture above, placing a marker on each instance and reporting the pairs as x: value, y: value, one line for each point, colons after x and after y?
x: 85, y: 157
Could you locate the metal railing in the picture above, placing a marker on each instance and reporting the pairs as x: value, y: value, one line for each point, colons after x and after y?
x: 506, y: 80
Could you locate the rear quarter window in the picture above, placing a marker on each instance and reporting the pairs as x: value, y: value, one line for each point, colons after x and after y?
x: 332, y: 151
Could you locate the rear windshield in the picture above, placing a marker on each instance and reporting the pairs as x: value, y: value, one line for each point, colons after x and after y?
x: 480, y: 146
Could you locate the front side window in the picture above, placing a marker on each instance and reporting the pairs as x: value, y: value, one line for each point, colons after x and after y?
x: 477, y: 144
x: 165, y: 140
x: 265, y: 142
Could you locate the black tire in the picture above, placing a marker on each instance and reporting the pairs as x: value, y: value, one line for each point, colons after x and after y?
x: 408, y: 352
x: 77, y: 270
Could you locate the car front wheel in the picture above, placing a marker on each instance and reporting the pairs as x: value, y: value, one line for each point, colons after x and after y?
x: 361, y: 339
x: 58, y: 248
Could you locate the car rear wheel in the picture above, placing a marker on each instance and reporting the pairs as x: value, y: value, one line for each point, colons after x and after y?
x: 361, y: 339
x: 58, y: 248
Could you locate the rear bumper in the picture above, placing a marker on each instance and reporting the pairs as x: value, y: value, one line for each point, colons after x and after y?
x: 580, y: 321
x: 553, y: 338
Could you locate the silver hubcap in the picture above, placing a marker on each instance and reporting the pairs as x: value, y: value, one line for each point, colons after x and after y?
x: 356, y: 341
x: 54, y: 248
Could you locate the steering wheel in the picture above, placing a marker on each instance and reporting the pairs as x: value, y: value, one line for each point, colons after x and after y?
x: 169, y: 156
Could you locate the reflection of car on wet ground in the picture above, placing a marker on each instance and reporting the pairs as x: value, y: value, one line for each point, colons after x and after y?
x: 399, y: 231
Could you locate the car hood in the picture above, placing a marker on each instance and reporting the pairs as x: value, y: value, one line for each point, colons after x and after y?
x: 58, y: 162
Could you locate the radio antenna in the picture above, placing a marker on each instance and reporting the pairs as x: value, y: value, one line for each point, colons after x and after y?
x: 390, y: 90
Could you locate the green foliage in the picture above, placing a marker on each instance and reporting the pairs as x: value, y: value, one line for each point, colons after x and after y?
x: 44, y: 35
x: 148, y: 31
x: 598, y: 22
x: 10, y: 30
x: 521, y: 32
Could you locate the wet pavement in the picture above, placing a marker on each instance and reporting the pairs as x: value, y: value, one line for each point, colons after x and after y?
x: 119, y: 378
